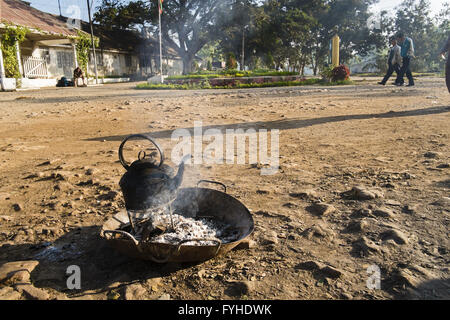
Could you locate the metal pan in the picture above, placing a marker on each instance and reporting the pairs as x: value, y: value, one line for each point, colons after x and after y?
x: 201, y: 202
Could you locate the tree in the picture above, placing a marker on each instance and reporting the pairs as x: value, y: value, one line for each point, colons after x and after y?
x: 192, y: 23
x: 413, y: 18
x: 115, y: 14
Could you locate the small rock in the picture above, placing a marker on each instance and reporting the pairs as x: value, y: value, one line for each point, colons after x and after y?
x: 364, y: 247
x: 317, y: 231
x: 357, y: 226
x: 363, y: 193
x: 17, y: 207
x: 346, y: 296
x: 310, y: 265
x: 270, y: 237
x: 432, y: 155
x: 134, y: 292
x: 8, y: 293
x: 239, y: 288
x: 393, y: 203
x: 383, y: 212
x: 304, y: 194
x: 49, y: 162
x: 331, y: 272
x: 165, y: 296
x: 410, y: 209
x: 246, y: 244
x: 32, y: 292
x: 91, y: 171
x: 443, y: 166
x: 396, y: 235
x: 21, y: 268
x: 406, y: 277
x: 321, y: 209
x: 201, y: 273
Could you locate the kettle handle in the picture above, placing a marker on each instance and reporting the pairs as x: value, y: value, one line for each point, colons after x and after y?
x: 142, y: 136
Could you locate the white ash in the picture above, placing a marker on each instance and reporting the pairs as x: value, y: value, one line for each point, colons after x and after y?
x: 193, y: 228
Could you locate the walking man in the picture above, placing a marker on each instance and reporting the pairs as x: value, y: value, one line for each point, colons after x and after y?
x: 394, y: 61
x: 407, y: 53
x: 446, y: 49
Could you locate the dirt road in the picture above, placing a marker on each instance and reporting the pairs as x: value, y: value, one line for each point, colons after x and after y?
x: 316, y: 235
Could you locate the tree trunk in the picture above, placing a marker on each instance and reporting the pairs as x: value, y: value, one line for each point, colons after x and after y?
x: 187, y: 64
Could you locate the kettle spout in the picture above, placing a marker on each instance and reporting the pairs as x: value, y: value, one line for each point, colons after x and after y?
x: 178, y: 179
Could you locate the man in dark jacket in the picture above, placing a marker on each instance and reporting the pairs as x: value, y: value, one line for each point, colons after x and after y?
x: 407, y: 53
x: 77, y: 74
x: 446, y: 49
x: 394, y: 61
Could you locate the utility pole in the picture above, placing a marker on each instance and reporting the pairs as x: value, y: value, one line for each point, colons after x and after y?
x: 243, y: 50
x: 59, y: 5
x: 160, y: 41
x: 93, y: 43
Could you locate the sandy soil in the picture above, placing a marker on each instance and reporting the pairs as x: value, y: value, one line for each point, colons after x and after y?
x: 314, y: 237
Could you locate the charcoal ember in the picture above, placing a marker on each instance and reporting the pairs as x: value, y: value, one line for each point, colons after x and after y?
x: 157, y: 228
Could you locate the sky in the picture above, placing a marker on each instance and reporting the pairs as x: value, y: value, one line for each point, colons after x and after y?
x: 52, y: 6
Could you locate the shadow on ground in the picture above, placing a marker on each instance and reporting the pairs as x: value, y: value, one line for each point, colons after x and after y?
x: 100, y: 264
x: 291, y: 123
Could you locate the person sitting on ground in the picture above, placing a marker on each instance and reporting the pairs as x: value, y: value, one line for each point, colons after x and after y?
x: 394, y: 61
x: 77, y: 74
x: 446, y: 49
x: 407, y: 53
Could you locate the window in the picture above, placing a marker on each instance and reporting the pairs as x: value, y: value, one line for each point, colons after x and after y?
x: 65, y: 59
x: 128, y: 61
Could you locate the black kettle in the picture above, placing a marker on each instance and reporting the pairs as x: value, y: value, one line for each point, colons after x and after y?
x: 148, y: 184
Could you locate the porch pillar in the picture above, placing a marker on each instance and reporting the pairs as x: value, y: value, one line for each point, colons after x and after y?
x: 2, y: 70
x: 75, y: 58
x: 19, y: 59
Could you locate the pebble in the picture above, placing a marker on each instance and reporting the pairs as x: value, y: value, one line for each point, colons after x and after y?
x: 165, y: 296
x: 432, y: 155
x: 270, y: 237
x: 383, y: 212
x: 20, y: 270
x: 134, y: 292
x: 321, y: 209
x: 443, y: 166
x: 246, y: 244
x: 363, y: 193
x: 239, y: 288
x: 317, y: 231
x: 8, y: 293
x: 310, y: 265
x: 357, y: 226
x: 396, y: 235
x: 410, y: 209
x: 91, y: 171
x: 331, y: 272
x: 32, y: 292
x: 365, y: 247
x: 304, y: 194
x: 393, y: 203
x: 17, y: 207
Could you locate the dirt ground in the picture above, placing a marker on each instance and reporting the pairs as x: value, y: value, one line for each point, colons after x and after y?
x: 315, y: 234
